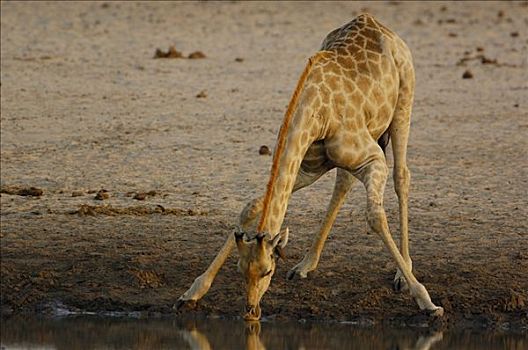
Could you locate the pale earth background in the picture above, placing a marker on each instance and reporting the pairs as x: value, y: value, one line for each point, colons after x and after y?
x: 84, y: 107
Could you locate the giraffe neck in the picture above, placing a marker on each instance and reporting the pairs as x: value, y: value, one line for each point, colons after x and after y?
x: 282, y: 185
x: 292, y: 143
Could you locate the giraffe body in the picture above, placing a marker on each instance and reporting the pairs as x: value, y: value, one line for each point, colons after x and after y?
x: 347, y: 103
x: 353, y: 95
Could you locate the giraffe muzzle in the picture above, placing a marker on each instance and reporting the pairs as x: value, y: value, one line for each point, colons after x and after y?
x: 252, y: 313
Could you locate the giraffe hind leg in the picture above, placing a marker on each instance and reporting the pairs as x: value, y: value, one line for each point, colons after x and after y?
x: 374, y: 177
x: 399, y: 132
x: 402, y: 177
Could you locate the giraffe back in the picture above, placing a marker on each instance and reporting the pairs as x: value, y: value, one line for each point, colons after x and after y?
x: 360, y: 78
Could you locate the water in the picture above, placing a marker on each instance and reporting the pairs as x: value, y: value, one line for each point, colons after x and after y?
x: 90, y: 332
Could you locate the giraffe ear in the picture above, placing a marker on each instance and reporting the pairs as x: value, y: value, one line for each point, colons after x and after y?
x: 279, y: 242
x: 239, y: 239
x: 281, y: 239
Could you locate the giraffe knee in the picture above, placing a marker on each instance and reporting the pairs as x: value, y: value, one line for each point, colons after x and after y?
x: 402, y: 180
x: 376, y: 217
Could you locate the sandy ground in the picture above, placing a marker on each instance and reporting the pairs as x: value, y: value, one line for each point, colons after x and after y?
x: 85, y: 107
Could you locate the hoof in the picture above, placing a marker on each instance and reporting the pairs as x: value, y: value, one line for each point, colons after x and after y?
x: 185, y: 304
x: 438, y: 312
x: 295, y: 274
x: 399, y: 284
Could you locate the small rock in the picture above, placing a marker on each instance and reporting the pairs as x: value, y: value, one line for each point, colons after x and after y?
x: 485, y: 60
x: 31, y: 191
x: 85, y: 210
x: 202, y: 94
x: 196, y: 54
x: 102, y: 195
x: 480, y: 49
x: 514, y: 34
x: 467, y: 75
x: 264, y: 150
x: 140, y: 196
x: 77, y: 193
x: 22, y: 191
x: 239, y: 59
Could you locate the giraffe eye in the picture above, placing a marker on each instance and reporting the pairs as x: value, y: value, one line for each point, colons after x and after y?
x: 267, y: 273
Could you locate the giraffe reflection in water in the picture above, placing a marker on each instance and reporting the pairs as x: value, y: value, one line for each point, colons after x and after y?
x: 82, y: 332
x: 198, y: 341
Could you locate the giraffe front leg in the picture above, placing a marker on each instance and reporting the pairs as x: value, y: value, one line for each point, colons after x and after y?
x: 203, y: 282
x: 344, y: 181
x: 374, y: 177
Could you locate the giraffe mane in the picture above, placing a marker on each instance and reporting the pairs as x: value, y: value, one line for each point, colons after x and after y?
x: 281, y: 140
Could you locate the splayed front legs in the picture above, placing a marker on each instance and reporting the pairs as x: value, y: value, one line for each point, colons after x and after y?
x: 248, y: 217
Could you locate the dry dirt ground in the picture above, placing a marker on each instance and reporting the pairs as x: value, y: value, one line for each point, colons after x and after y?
x: 85, y: 107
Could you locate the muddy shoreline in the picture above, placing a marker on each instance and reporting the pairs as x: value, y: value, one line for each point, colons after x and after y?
x: 136, y: 273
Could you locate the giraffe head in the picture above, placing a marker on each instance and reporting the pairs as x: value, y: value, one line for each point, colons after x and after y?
x: 257, y: 265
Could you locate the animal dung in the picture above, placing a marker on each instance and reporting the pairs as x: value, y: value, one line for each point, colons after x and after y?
x: 173, y: 53
x: 196, y: 54
x: 264, y: 150
x: 201, y: 94
x: 467, y: 75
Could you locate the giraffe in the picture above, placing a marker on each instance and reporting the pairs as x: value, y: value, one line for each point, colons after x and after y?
x: 353, y: 97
